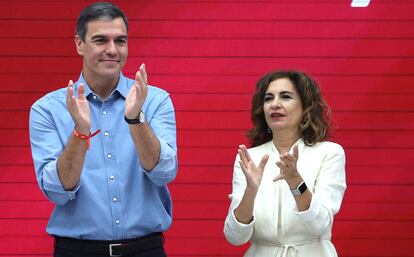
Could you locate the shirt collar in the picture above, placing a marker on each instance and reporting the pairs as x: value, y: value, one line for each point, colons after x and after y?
x: 122, y: 86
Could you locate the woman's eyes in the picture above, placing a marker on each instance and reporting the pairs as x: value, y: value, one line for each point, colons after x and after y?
x: 268, y: 98
x: 286, y: 96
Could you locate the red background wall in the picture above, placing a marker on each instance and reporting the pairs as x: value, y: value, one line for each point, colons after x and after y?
x: 208, y: 55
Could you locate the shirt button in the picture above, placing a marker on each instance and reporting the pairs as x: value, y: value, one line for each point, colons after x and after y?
x: 117, y: 221
x: 94, y: 97
x: 109, y: 156
x: 106, y: 134
x: 112, y: 177
x: 103, y: 112
x: 114, y: 199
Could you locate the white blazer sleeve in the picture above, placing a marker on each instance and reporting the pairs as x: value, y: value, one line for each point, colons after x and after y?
x: 329, y: 188
x: 235, y: 232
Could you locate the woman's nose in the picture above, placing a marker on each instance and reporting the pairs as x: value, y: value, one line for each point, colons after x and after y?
x: 275, y: 103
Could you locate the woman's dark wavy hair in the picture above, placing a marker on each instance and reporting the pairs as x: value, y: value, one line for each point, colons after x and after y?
x: 316, y: 120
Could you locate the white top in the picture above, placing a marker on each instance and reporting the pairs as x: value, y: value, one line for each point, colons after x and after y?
x: 278, y: 228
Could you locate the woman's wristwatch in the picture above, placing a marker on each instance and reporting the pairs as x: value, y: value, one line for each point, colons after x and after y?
x: 300, y: 189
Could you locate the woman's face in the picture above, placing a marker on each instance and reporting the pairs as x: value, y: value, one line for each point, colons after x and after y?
x: 282, y: 106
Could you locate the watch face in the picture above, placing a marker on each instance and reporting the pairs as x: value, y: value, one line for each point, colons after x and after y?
x: 141, y: 117
x: 302, y: 188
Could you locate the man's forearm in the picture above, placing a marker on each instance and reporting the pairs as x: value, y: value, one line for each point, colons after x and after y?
x: 70, y: 162
x: 146, y: 144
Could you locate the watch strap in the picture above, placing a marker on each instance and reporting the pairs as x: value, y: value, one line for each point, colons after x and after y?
x: 138, y: 120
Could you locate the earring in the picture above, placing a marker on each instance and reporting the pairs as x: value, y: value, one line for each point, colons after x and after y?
x: 269, y: 130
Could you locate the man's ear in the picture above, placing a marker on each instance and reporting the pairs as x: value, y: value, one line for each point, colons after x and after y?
x: 78, y: 43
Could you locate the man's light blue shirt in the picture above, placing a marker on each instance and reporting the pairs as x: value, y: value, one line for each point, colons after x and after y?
x: 115, y: 197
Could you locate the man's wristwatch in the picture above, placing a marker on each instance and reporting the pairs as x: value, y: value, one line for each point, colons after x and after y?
x: 138, y: 120
x: 300, y: 189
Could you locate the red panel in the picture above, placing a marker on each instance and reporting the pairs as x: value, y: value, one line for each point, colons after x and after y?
x: 225, y: 66
x: 17, y: 173
x: 380, y: 193
x: 25, y: 211
x: 200, y: 10
x: 14, y: 137
x: 396, y: 212
x: 275, y: 48
x: 391, y: 213
x: 244, y: 83
x: 242, y: 102
x: 225, y: 156
x: 209, y: 55
x: 272, y: 29
x: 343, y: 120
x: 401, y: 175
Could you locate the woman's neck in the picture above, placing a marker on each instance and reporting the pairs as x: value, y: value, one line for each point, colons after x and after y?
x: 284, y: 141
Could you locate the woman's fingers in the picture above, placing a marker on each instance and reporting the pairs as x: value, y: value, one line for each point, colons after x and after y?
x: 263, y: 162
x: 278, y: 177
x: 296, y: 152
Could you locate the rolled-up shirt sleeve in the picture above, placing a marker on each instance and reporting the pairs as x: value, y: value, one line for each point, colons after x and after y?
x: 46, y: 146
x: 162, y: 122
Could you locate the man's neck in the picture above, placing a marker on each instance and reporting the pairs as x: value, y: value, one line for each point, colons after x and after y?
x: 101, y: 86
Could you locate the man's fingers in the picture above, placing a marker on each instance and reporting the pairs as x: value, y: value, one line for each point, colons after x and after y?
x: 81, y: 91
x: 139, y: 78
x: 69, y: 93
x: 143, y: 73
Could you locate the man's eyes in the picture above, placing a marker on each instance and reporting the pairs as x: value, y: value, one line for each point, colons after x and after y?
x: 99, y: 40
x: 121, y: 41
x: 104, y: 40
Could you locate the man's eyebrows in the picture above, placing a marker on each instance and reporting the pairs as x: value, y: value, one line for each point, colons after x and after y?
x: 104, y: 36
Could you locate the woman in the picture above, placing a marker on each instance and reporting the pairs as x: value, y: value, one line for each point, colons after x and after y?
x: 289, y: 186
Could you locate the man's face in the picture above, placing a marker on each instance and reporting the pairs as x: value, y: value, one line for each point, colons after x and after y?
x: 104, y: 50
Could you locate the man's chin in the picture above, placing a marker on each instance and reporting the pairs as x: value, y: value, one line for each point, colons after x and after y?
x: 110, y: 73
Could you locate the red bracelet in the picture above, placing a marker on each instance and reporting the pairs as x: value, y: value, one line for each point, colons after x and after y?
x: 85, y: 137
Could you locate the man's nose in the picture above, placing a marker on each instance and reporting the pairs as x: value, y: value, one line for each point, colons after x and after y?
x: 110, y: 48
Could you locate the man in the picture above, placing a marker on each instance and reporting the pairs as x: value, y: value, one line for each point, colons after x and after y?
x: 104, y: 149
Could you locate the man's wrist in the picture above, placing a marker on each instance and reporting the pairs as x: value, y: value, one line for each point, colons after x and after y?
x: 138, y: 120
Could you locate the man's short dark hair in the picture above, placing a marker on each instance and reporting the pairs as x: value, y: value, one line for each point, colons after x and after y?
x: 97, y: 11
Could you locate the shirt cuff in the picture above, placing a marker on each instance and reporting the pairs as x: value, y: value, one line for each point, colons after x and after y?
x: 53, y: 187
x: 166, y: 169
